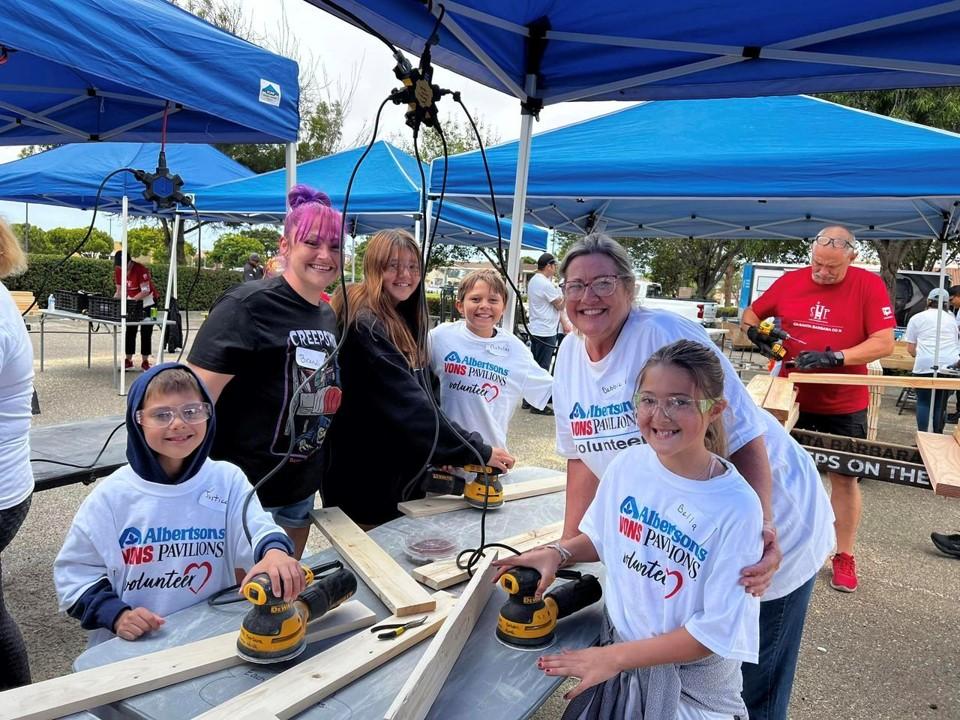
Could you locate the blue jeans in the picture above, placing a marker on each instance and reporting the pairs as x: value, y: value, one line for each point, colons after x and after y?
x: 767, y: 685
x: 939, y: 409
x: 543, y: 349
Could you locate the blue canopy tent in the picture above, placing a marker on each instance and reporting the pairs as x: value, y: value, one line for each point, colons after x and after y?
x: 70, y: 175
x: 82, y: 70
x: 550, y: 52
x: 778, y: 167
x: 385, y: 193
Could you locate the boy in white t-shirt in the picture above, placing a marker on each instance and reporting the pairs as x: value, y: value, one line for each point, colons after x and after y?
x: 484, y: 373
x: 672, y: 522
x: 166, y: 531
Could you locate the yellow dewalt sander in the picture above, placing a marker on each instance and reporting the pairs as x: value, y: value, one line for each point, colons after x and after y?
x: 275, y: 630
x: 484, y: 487
x: 529, y: 623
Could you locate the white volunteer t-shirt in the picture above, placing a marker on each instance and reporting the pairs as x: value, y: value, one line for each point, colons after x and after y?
x: 801, y: 511
x: 163, y: 547
x: 593, y: 401
x: 16, y: 392
x: 482, y: 380
x: 673, y: 549
x: 544, y: 318
x: 922, y: 330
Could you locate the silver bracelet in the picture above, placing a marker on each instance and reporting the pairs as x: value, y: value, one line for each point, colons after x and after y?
x: 565, y: 555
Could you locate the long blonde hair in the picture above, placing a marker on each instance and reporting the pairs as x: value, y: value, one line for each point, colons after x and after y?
x: 403, y: 322
x: 12, y: 259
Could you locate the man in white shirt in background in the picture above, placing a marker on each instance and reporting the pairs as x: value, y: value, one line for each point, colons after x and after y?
x: 545, y: 302
x: 931, y: 339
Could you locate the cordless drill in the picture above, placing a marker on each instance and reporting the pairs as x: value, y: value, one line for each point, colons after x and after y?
x: 769, y: 339
x: 530, y: 623
x: 275, y: 630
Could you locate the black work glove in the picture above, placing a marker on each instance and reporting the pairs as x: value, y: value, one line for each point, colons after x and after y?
x: 817, y: 360
x: 763, y: 343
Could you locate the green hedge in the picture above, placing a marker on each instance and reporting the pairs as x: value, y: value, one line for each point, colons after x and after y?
x: 96, y: 276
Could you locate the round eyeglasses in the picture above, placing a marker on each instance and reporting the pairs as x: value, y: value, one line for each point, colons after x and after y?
x: 190, y: 413
x: 673, y: 407
x: 603, y: 286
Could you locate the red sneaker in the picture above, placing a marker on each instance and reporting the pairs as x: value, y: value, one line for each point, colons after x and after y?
x: 145, y: 365
x: 844, y: 573
x: 127, y: 364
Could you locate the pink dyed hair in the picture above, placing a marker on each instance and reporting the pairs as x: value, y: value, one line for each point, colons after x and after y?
x: 310, y: 212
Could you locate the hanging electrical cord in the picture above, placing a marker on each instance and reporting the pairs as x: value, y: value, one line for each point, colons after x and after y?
x: 291, y: 409
x: 96, y: 459
x: 196, y: 277
x: 86, y: 237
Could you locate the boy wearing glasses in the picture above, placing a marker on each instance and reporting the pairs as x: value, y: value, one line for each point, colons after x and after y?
x: 165, y: 531
x: 839, y: 318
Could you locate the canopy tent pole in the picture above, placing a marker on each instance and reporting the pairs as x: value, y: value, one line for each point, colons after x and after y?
x: 26, y: 227
x: 121, y: 340
x: 519, y: 202
x: 291, y: 156
x: 936, y: 345
x: 171, y: 273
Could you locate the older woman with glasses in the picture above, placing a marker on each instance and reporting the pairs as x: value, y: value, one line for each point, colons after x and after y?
x: 596, y: 376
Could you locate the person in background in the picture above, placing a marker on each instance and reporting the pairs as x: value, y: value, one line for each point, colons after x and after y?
x: 388, y: 428
x: 546, y: 319
x: 252, y: 269
x: 954, y: 292
x: 265, y: 341
x: 16, y: 476
x: 922, y: 338
x: 139, y: 287
x: 841, y: 318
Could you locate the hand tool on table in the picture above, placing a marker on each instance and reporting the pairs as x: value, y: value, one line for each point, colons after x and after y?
x: 274, y: 630
x: 485, y: 485
x: 529, y: 623
x: 395, y: 630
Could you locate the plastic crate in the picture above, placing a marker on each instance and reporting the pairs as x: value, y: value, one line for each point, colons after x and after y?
x: 70, y: 301
x: 107, y: 308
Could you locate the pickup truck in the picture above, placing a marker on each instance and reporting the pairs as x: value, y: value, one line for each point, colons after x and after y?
x: 650, y: 295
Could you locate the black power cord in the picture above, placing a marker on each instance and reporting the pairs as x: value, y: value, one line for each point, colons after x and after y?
x: 96, y: 459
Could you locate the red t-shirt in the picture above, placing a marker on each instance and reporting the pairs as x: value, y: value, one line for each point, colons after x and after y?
x: 138, y: 280
x: 836, y: 316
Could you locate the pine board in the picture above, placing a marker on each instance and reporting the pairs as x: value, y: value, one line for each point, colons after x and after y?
x: 941, y: 457
x: 758, y: 387
x: 513, y: 491
x: 780, y: 398
x: 390, y: 582
x: 117, y: 681
x: 302, y: 686
x: 912, y: 381
x: 445, y: 573
x: 419, y: 692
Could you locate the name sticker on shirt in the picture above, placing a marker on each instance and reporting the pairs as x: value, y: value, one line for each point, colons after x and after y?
x: 309, y: 358
x: 210, y: 499
x: 498, y: 349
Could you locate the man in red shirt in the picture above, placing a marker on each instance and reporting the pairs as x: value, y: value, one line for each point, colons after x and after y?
x: 845, y: 318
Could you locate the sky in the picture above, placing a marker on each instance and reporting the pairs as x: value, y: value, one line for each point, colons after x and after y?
x: 347, y: 56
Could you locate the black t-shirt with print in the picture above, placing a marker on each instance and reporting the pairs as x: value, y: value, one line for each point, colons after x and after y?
x: 271, y: 340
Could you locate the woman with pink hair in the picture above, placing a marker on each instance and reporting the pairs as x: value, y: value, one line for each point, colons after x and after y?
x: 262, y: 354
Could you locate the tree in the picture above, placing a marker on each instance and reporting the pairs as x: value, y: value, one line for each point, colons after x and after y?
x: 37, y: 240
x: 62, y: 240
x: 233, y: 250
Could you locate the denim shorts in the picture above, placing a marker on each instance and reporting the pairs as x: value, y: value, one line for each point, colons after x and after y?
x: 295, y: 515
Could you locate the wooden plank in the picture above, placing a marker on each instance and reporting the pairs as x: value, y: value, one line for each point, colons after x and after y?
x: 892, y: 471
x: 379, y: 571
x: 110, y: 683
x: 445, y: 573
x: 419, y: 692
x: 512, y: 491
x: 780, y: 398
x: 857, y: 446
x: 758, y: 387
x: 792, y: 417
x: 941, y: 457
x: 914, y: 381
x: 294, y: 690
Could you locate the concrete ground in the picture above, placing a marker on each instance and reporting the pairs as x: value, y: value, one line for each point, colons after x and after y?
x: 888, y: 651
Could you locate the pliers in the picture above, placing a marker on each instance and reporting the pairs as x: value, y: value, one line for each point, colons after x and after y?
x: 397, y: 629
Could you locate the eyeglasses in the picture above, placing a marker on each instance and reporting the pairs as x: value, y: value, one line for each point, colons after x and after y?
x: 826, y: 240
x: 190, y: 413
x: 602, y: 286
x: 395, y: 267
x: 673, y: 407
